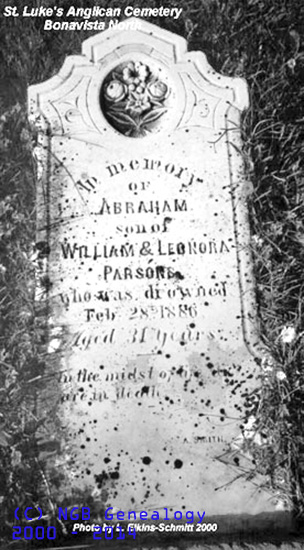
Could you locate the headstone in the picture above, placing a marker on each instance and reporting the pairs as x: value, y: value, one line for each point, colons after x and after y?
x: 148, y: 288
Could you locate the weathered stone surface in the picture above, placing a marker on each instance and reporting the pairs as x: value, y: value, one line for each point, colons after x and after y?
x: 150, y: 303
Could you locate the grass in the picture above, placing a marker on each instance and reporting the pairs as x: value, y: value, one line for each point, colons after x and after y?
x: 259, y: 40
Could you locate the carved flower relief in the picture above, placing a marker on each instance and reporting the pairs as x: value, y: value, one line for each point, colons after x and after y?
x: 134, y: 73
x: 133, y: 99
x: 115, y: 91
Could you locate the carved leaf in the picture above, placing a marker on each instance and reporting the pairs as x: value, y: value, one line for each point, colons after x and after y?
x: 119, y: 107
x: 153, y: 115
x: 156, y: 102
x: 122, y: 118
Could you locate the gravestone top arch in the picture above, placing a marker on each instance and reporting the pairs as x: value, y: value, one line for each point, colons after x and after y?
x: 150, y: 303
x: 202, y: 96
